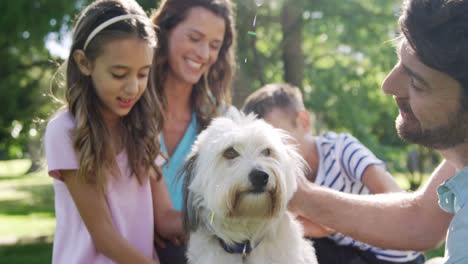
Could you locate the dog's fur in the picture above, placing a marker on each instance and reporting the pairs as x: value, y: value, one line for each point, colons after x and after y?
x: 221, y: 201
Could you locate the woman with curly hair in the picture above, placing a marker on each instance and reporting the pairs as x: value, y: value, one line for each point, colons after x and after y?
x: 192, y: 71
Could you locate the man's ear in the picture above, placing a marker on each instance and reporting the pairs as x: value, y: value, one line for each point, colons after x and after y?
x: 82, y: 61
x: 303, y: 120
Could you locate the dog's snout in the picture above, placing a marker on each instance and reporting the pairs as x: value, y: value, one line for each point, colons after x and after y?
x: 258, y: 178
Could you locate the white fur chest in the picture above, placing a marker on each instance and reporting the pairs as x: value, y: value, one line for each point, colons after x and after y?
x: 238, y: 180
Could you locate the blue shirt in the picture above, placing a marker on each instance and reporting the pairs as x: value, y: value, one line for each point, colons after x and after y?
x: 176, y: 161
x: 453, y: 195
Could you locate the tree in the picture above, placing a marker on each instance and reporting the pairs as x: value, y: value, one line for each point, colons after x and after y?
x: 337, y: 51
x: 26, y: 67
x: 293, y: 57
x: 346, y: 55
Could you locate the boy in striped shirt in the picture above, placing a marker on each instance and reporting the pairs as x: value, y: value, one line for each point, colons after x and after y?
x: 337, y: 161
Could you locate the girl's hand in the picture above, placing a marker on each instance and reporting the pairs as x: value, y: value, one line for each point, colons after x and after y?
x: 167, y: 221
x: 170, y: 228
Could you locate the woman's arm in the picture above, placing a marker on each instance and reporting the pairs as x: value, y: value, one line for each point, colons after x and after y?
x: 167, y: 220
x: 92, y: 206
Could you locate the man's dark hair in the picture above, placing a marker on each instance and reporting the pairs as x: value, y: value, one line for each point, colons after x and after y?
x: 437, y: 31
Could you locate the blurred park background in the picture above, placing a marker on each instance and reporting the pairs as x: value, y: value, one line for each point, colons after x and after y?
x: 338, y: 52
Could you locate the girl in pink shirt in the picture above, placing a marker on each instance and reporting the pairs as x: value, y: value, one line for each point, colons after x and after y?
x: 101, y: 149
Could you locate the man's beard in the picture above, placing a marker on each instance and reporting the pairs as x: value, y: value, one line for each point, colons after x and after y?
x: 445, y: 136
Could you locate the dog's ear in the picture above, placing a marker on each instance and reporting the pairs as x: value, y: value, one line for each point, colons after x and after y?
x: 189, y: 207
x: 233, y: 113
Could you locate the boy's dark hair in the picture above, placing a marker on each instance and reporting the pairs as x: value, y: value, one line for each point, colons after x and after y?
x: 284, y: 96
x: 437, y: 31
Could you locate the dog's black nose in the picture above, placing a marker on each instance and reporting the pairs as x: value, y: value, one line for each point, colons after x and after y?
x: 259, y: 179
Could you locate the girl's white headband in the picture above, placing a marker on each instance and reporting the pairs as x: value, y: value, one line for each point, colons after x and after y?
x: 108, y: 23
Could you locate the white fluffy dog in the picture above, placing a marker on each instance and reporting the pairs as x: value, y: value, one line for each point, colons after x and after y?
x: 239, y: 178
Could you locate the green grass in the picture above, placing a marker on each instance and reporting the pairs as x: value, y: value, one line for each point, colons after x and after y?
x: 27, y: 217
x: 26, y: 205
x: 13, y: 168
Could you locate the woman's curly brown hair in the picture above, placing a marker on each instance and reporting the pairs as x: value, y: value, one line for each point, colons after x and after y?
x: 213, y: 89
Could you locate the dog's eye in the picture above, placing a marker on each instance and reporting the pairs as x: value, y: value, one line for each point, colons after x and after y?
x: 230, y: 153
x: 266, y: 152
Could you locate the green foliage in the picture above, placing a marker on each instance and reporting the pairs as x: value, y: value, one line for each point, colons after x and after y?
x: 26, y: 201
x: 348, y: 51
x: 26, y: 67
x: 348, y: 58
x: 346, y: 48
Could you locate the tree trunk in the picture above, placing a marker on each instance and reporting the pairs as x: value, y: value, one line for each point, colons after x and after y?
x: 293, y: 57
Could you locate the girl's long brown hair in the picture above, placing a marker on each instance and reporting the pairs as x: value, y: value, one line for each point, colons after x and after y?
x: 92, y: 141
x: 217, y: 81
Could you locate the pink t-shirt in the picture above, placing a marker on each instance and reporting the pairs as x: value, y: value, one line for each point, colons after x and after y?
x: 130, y: 203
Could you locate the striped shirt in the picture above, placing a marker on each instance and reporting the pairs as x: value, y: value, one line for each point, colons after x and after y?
x: 342, y: 163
